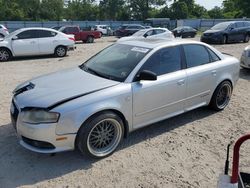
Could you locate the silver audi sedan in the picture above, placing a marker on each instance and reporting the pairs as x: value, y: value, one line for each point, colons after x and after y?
x: 126, y: 86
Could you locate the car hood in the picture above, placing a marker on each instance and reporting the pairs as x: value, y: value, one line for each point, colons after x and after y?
x: 129, y: 38
x: 56, y: 88
x: 212, y: 31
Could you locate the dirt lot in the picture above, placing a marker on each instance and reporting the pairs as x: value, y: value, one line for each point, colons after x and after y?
x: 185, y: 151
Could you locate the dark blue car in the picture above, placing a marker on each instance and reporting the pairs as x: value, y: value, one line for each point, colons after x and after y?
x: 225, y: 32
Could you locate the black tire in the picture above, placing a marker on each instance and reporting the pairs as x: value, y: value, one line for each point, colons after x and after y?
x: 246, y: 39
x: 92, y: 135
x: 90, y: 39
x: 221, y: 96
x: 224, y: 39
x: 5, y: 55
x: 60, y: 51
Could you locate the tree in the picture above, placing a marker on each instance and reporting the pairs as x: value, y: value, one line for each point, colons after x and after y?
x: 179, y: 10
x: 216, y: 13
x: 81, y: 10
x: 199, y: 11
x: 140, y: 8
x: 9, y: 10
x: 52, y: 9
x: 110, y: 9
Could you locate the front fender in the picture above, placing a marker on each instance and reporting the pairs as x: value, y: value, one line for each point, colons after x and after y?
x: 76, y: 112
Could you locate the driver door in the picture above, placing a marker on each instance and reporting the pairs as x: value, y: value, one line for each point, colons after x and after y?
x: 157, y: 100
x: 26, y: 43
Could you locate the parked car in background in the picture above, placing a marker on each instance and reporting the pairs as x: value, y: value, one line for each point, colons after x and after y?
x: 35, y: 41
x: 3, y: 31
x: 245, y: 58
x: 56, y: 27
x: 128, y: 29
x: 150, y: 33
x: 104, y: 29
x: 225, y: 32
x: 125, y: 87
x: 184, y: 32
x: 85, y: 36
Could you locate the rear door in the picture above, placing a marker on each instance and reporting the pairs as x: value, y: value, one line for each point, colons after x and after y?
x: 201, y: 75
x: 26, y: 43
x: 157, y: 100
x: 47, y: 41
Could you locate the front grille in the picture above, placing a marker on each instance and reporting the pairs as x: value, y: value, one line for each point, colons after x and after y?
x: 14, y: 114
x: 38, y: 144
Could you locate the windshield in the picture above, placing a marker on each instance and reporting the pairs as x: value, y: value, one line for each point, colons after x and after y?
x: 220, y: 26
x: 12, y: 34
x: 139, y: 33
x: 115, y: 62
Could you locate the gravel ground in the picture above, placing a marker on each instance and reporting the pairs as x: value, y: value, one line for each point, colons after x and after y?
x: 185, y: 151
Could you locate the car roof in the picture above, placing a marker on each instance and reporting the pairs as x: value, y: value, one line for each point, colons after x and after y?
x: 158, y: 42
x: 37, y: 28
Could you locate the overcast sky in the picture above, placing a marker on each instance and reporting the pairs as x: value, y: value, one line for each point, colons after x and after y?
x: 209, y: 4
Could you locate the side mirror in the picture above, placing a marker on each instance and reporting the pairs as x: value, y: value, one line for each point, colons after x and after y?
x: 231, y: 28
x: 146, y: 75
x: 145, y: 35
x: 14, y: 38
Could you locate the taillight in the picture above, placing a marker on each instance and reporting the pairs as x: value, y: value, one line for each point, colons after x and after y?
x: 71, y: 38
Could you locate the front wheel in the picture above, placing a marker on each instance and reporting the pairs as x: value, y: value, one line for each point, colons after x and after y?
x: 100, y: 135
x: 221, y: 96
x: 60, y: 51
x: 5, y: 55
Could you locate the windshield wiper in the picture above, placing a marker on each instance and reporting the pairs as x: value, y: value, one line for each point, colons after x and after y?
x: 89, y: 70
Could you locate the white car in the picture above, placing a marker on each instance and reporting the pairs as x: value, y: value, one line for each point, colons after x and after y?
x: 3, y: 31
x: 245, y: 58
x: 104, y: 29
x: 35, y: 41
x: 150, y: 33
x: 125, y: 87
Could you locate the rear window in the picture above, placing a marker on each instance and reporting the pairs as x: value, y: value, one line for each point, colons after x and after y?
x: 196, y: 55
x: 45, y: 34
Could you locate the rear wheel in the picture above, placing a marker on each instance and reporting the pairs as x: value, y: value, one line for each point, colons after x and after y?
x: 90, y: 39
x: 246, y: 39
x: 5, y: 55
x: 100, y: 135
x: 60, y: 51
x: 221, y: 96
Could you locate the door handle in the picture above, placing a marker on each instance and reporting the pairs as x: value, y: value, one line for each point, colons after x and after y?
x: 181, y: 82
x: 32, y: 42
x: 214, y: 72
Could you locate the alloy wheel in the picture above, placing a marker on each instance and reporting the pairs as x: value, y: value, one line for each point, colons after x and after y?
x: 4, y: 55
x: 104, y: 137
x: 223, y: 96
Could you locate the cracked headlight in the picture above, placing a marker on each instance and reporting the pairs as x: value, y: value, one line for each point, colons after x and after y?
x: 36, y: 116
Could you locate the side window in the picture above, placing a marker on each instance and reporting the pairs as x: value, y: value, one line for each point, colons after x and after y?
x: 150, y: 33
x: 239, y: 24
x: 74, y: 29
x: 196, y: 55
x: 247, y: 24
x: 159, y: 31
x: 28, y: 34
x: 164, y: 61
x: 45, y: 34
x: 213, y: 56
